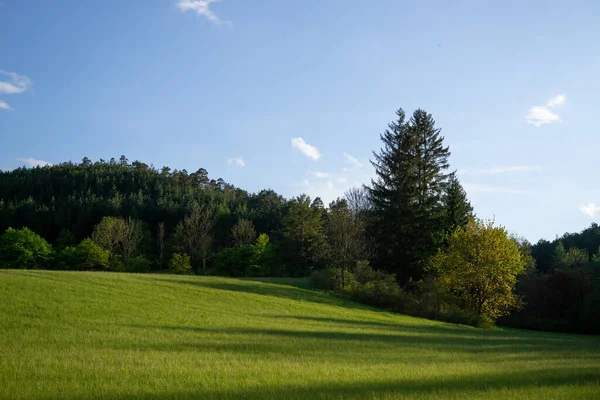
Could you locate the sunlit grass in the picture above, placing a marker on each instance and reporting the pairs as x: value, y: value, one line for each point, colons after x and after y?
x: 92, y: 335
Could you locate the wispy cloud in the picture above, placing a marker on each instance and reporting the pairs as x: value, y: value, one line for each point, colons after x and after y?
x: 320, y: 175
x: 500, y: 170
x: 15, y: 84
x: 308, y: 150
x: 239, y: 161
x: 540, y: 115
x: 32, y: 162
x: 590, y: 209
x: 12, y: 83
x: 202, y: 9
x: 352, y: 160
x: 478, y: 188
x: 5, y: 106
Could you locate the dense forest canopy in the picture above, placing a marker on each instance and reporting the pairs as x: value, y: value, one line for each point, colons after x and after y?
x: 377, y: 244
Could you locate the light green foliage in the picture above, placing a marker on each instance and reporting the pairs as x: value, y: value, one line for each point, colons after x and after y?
x: 265, y: 257
x: 124, y: 336
x: 23, y: 249
x: 91, y: 256
x: 119, y: 237
x: 248, y: 260
x: 481, y: 266
x: 194, y: 234
x: 180, y: 263
x: 86, y: 256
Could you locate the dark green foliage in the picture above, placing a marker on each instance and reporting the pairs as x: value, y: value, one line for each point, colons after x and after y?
x: 243, y: 233
x: 407, y: 194
x: 236, y: 261
x: 323, y: 279
x: 305, y: 245
x: 23, y: 249
x: 457, y: 207
x: 65, y: 239
x: 138, y: 264
x: 76, y: 197
x: 180, y: 263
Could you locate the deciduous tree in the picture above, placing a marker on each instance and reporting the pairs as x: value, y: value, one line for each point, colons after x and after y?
x: 480, y: 266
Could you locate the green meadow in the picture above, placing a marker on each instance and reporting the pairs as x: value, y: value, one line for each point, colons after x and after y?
x: 80, y: 335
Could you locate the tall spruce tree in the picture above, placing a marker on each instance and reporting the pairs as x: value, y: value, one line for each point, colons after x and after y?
x: 457, y: 207
x: 407, y: 194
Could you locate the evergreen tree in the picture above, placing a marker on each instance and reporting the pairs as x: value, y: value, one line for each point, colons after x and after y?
x: 457, y: 207
x: 303, y: 234
x: 407, y: 194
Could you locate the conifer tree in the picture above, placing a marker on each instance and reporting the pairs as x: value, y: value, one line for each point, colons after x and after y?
x: 407, y: 194
x: 457, y: 207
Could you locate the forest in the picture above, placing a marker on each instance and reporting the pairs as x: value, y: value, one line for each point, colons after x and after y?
x: 409, y: 241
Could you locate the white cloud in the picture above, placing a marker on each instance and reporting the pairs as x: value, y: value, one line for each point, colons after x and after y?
x: 239, y: 161
x: 352, y: 160
x: 540, y: 115
x: 308, y: 150
x: 17, y: 83
x: 320, y: 175
x: 501, y: 170
x: 201, y: 8
x: 32, y: 162
x: 590, y: 209
x: 556, y: 101
x: 5, y: 106
x: 477, y: 188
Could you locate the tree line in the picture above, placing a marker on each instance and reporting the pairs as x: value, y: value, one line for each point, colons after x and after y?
x: 408, y: 241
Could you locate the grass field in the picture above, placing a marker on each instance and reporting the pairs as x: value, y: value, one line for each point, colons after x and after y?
x: 99, y: 335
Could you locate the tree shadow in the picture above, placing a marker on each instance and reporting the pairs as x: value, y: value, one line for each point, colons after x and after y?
x: 433, y: 340
x: 270, y: 289
x: 477, y: 385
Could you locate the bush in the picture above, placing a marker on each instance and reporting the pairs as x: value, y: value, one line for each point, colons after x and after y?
x: 323, y: 279
x: 86, y: 256
x: 23, y: 249
x: 236, y: 261
x: 180, y: 263
x: 92, y: 257
x: 138, y: 264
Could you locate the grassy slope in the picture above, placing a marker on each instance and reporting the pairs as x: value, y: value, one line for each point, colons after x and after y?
x: 90, y: 335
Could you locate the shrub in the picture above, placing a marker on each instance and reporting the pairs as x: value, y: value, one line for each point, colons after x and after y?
x: 235, y: 261
x: 91, y: 256
x: 86, y: 256
x: 180, y: 263
x: 323, y: 279
x: 67, y: 258
x: 138, y: 264
x: 23, y: 249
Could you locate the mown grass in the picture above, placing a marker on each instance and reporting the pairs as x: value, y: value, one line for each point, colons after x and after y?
x: 92, y: 335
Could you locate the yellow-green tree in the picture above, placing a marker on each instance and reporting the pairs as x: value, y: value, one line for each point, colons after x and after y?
x: 480, y: 266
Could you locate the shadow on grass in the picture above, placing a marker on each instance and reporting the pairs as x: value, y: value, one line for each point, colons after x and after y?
x: 434, y: 339
x: 256, y: 286
x: 461, y: 386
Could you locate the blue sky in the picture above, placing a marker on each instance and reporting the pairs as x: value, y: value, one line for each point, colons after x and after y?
x: 293, y: 95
